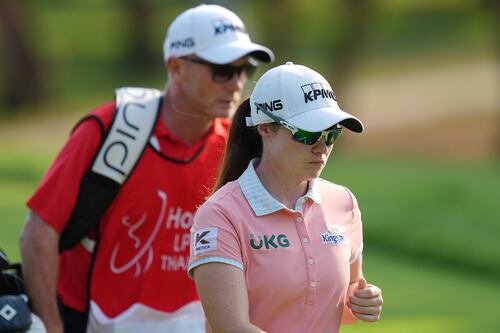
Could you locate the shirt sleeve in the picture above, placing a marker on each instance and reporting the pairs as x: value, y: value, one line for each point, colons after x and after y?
x: 56, y: 195
x: 214, y: 238
x: 356, y: 230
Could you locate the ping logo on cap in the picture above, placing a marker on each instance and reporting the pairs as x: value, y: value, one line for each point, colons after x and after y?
x: 177, y: 44
x: 222, y: 26
x: 313, y: 91
x: 274, y: 105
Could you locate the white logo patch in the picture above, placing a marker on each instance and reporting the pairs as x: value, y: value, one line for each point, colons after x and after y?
x: 205, y: 240
x: 333, y: 235
x: 333, y: 229
x: 8, y: 312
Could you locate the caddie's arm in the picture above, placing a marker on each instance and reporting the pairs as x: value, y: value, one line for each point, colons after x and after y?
x: 223, y: 293
x: 40, y: 254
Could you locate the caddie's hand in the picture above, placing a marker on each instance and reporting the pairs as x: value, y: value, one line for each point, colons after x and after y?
x: 365, y: 301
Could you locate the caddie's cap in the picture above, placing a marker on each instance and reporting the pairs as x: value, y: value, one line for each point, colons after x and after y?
x: 214, y: 34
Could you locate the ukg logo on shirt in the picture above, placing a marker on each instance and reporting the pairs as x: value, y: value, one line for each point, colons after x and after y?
x: 313, y: 91
x: 268, y: 242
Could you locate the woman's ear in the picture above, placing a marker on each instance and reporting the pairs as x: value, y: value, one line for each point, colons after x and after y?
x: 266, y: 130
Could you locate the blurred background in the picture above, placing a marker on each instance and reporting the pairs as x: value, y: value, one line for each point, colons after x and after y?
x: 424, y: 76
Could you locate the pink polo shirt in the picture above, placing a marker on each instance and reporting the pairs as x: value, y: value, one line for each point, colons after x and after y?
x: 296, y: 262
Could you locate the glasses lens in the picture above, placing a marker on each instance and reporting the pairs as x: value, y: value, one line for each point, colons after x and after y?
x: 333, y: 135
x: 308, y: 138
x: 224, y: 73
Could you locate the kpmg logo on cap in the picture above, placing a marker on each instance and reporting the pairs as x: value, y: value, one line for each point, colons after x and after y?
x: 313, y: 91
x: 222, y: 26
x: 178, y: 44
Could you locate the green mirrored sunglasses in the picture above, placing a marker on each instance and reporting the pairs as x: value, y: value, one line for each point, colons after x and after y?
x: 309, y: 138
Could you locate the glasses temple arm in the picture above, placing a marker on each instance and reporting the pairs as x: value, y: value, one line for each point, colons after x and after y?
x: 277, y: 119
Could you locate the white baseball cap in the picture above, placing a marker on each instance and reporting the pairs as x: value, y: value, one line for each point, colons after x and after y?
x: 214, y: 34
x: 301, y: 97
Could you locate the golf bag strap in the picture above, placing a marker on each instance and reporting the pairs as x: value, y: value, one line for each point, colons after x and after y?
x: 137, y: 110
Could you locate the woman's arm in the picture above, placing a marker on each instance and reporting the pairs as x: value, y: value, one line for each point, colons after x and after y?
x: 364, y: 300
x: 223, y: 293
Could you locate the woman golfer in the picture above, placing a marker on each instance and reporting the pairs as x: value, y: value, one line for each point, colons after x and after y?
x: 276, y: 248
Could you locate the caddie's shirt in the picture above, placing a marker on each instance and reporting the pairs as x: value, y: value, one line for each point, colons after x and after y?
x: 296, y: 262
x: 139, y: 280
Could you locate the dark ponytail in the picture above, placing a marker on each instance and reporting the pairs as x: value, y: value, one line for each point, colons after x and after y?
x: 243, y: 145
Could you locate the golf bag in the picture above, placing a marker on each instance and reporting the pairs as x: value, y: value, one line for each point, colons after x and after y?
x: 15, y: 313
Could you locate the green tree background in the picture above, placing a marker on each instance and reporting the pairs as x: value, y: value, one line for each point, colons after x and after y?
x: 422, y: 75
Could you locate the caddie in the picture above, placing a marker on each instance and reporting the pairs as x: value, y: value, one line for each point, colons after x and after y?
x: 105, y: 245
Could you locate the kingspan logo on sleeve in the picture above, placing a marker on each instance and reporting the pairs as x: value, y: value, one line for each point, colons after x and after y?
x: 313, y: 91
x: 204, y: 240
x: 333, y: 236
x: 222, y: 26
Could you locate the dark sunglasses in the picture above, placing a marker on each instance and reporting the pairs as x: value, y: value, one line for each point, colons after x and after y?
x: 224, y: 73
x: 309, y: 138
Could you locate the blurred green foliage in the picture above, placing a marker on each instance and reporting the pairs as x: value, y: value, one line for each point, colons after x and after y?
x: 435, y: 211
x: 418, y: 298
x: 84, y: 46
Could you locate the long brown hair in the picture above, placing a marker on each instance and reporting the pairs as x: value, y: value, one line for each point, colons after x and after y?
x: 244, y: 143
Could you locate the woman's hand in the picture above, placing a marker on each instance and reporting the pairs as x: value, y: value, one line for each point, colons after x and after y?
x: 365, y: 301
